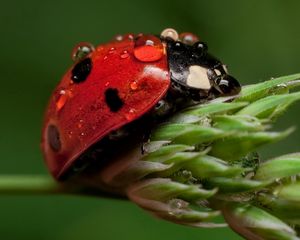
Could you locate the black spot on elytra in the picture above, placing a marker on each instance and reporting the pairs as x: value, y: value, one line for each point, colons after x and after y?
x: 53, y: 138
x: 113, y: 100
x: 81, y: 70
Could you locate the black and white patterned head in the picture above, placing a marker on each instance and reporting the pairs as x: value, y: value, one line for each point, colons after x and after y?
x: 194, y: 71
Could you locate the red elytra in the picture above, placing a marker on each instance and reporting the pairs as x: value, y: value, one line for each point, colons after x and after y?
x: 78, y: 116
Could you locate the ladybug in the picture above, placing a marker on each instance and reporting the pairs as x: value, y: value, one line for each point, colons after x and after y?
x: 114, y: 93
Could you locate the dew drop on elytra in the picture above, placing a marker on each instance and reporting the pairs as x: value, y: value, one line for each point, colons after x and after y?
x: 111, y: 50
x: 119, y: 38
x: 133, y: 85
x: 81, y: 50
x: 131, y: 114
x: 124, y: 54
x: 148, y: 48
x: 188, y: 38
x: 61, y: 100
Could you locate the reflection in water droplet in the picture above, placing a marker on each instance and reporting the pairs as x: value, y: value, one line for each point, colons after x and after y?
x: 188, y: 38
x: 106, y: 84
x: 133, y: 85
x: 148, y: 48
x: 129, y: 36
x: 124, y: 54
x: 105, y: 57
x: 62, y: 99
x: 111, y: 50
x: 81, y: 50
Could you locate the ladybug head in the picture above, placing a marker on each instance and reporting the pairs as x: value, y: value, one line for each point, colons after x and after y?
x: 195, y: 72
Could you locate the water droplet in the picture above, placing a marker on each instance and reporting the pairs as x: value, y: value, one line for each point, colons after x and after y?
x: 81, y: 50
x: 82, y: 134
x: 134, y: 85
x: 119, y: 38
x: 62, y: 99
x: 105, y: 57
x: 148, y: 48
x: 112, y: 50
x: 188, y: 38
x: 178, y: 204
x: 124, y: 54
x: 129, y: 36
x: 70, y: 133
x: 80, y: 124
x: 131, y: 114
x: 106, y: 84
x: 169, y: 33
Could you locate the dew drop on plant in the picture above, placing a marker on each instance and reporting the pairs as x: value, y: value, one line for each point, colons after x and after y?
x: 148, y: 48
x: 81, y: 50
x: 178, y: 204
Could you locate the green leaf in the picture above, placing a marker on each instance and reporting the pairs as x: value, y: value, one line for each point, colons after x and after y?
x: 254, y: 92
x: 237, y: 123
x: 237, y: 145
x: 163, y: 189
x: 254, y: 223
x: 289, y: 192
x: 214, y: 108
x: 235, y: 185
x: 188, y: 134
x: 270, y: 106
x: 279, y: 167
x: 208, y: 166
x: 280, y: 207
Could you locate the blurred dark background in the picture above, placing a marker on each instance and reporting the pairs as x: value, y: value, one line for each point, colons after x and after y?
x: 256, y: 39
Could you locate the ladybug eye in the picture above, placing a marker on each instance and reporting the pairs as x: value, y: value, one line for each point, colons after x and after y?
x: 162, y: 108
x: 81, y: 50
x: 201, y: 47
x: 169, y: 33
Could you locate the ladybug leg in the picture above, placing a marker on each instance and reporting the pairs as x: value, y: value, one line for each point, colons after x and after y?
x: 214, y: 79
x: 163, y: 107
x: 118, y: 134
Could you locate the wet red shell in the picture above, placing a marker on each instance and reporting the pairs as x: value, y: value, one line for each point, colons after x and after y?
x: 79, y: 111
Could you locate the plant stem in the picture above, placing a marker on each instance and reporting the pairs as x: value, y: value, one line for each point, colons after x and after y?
x: 46, y: 185
x: 29, y: 184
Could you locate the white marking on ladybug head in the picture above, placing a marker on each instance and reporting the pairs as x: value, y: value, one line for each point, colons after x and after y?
x: 198, y: 78
x: 170, y: 33
x: 225, y: 68
x: 217, y: 71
